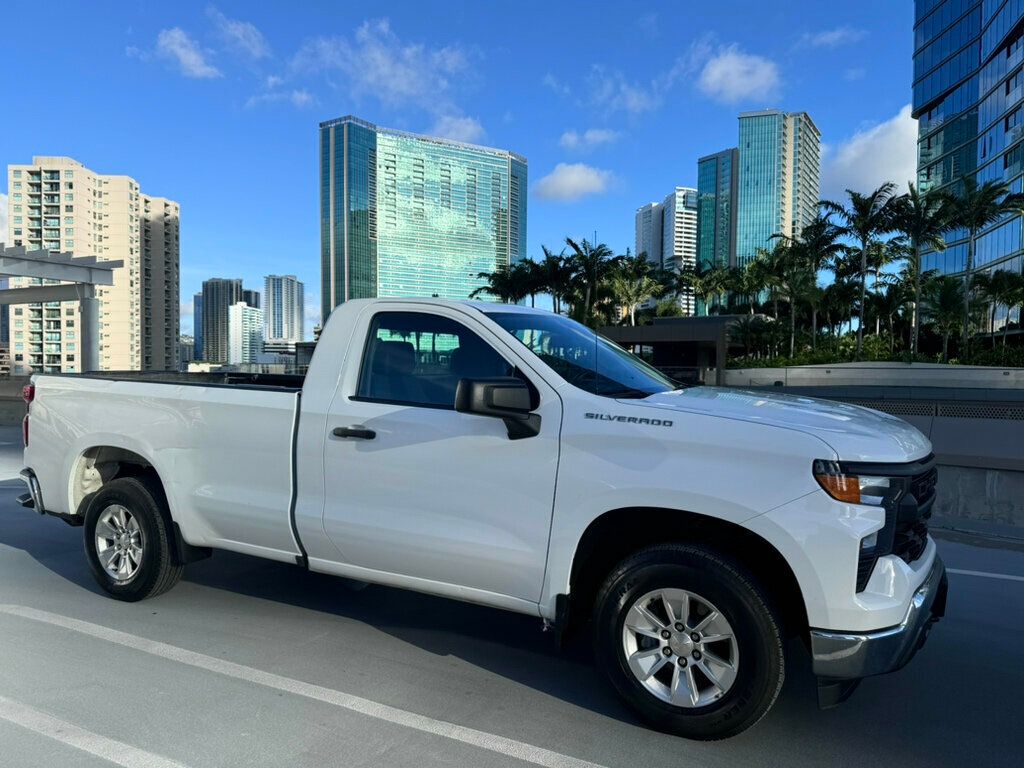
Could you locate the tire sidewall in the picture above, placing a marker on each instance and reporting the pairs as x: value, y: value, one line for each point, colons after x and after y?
x: 757, y: 637
x: 136, y: 498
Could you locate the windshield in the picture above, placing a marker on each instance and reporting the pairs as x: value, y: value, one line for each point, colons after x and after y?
x: 582, y: 357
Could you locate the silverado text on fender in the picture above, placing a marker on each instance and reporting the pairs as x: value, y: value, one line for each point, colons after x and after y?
x: 513, y: 458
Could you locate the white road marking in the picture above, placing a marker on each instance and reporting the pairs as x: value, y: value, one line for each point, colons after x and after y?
x: 498, y: 744
x: 985, y: 574
x: 66, y: 733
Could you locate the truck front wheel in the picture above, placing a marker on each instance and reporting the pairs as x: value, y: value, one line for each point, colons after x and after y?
x: 688, y: 639
x: 127, y: 542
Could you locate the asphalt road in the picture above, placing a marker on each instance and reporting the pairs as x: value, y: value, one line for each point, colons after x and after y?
x: 252, y: 663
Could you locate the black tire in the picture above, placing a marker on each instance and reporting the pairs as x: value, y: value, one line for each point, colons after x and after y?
x: 157, y: 570
x: 761, y: 668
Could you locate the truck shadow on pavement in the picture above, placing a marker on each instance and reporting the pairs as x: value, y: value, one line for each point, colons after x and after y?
x: 904, y: 718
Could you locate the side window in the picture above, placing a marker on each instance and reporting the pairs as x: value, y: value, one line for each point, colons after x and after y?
x: 417, y: 359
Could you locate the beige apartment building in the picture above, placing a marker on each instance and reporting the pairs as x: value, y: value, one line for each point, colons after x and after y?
x: 59, y: 204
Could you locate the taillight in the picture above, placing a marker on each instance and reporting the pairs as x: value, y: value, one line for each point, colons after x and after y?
x: 28, y: 393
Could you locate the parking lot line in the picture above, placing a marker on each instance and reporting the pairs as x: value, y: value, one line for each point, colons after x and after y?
x: 489, y: 741
x: 985, y: 574
x: 67, y: 733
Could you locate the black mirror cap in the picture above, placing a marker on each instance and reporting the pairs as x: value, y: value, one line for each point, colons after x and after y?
x: 504, y: 397
x: 500, y: 396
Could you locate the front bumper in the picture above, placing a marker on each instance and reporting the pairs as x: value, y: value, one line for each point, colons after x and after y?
x: 853, y: 655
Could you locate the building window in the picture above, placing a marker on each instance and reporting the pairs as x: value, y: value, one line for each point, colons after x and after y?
x: 69, y: 209
x: 19, y: 311
x: 69, y: 243
x: 17, y: 232
x: 69, y: 174
x: 17, y: 185
x: 17, y: 209
x: 69, y: 231
x: 69, y: 198
x: 16, y: 195
x: 17, y: 174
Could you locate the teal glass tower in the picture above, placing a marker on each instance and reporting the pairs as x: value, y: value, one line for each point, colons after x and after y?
x: 779, y: 178
x: 409, y: 215
x: 717, y: 190
x: 969, y: 103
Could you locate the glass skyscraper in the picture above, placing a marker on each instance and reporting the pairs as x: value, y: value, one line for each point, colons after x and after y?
x: 717, y: 188
x: 409, y: 215
x: 968, y: 94
x: 779, y: 178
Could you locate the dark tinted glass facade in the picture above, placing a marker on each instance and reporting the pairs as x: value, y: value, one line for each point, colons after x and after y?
x: 717, y: 180
x: 408, y: 215
x: 968, y: 77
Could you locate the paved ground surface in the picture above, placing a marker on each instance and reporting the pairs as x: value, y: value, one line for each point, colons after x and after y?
x: 260, y: 664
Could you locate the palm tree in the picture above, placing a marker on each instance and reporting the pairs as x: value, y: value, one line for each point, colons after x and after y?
x: 1014, y: 298
x: 509, y: 284
x: 943, y: 303
x: 696, y: 280
x: 631, y: 285
x: 590, y: 263
x: 887, y: 304
x: 556, y: 276
x: 866, y: 218
x: 818, y: 244
x: 997, y: 288
x: 923, y: 217
x: 975, y: 207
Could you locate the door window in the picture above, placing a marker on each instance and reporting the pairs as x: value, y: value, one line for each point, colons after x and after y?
x: 413, y: 358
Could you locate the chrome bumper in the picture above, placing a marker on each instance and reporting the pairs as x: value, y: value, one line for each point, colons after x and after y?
x: 850, y: 656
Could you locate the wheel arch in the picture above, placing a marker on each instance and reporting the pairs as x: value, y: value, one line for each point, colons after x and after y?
x: 616, y: 534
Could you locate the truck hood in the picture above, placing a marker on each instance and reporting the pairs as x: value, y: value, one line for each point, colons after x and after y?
x: 853, y: 432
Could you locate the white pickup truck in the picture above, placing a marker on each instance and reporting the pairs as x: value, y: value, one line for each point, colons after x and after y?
x: 513, y: 458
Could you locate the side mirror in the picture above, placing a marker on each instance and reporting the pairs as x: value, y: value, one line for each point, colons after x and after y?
x: 506, y: 398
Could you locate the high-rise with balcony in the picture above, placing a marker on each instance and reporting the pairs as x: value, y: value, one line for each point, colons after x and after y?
x: 666, y: 233
x: 245, y: 333
x: 717, y: 193
x: 409, y: 215
x: 58, y: 204
x: 284, y: 298
x: 779, y: 178
x: 969, y: 102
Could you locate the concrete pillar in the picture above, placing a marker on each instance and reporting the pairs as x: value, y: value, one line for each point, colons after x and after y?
x: 89, y: 334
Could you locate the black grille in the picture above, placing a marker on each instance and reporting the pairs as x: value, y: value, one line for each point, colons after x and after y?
x: 911, y: 535
x: 906, y: 517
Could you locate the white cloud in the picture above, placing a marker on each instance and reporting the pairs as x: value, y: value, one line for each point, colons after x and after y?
x: 854, y: 73
x: 175, y: 44
x: 273, y: 81
x: 312, y: 312
x: 556, y: 85
x: 731, y: 76
x: 610, y: 90
x: 872, y: 156
x: 378, y: 64
x: 299, y: 97
x: 467, y: 129
x: 572, y: 181
x: 3, y: 219
x: 832, y: 38
x: 241, y: 36
x: 589, y: 139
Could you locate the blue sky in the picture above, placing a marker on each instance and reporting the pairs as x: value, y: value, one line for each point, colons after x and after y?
x: 217, y: 105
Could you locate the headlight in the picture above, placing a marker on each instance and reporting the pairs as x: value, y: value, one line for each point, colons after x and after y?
x: 854, y: 489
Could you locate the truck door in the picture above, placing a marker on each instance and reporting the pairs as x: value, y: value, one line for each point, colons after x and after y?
x: 414, y: 488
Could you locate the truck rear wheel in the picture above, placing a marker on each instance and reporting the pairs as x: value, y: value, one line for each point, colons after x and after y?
x: 127, y: 542
x: 688, y: 639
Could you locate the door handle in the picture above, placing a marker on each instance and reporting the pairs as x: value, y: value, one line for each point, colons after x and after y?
x: 360, y: 432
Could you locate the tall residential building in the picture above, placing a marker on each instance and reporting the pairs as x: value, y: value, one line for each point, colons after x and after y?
x: 245, y: 333
x: 779, y: 178
x: 679, y: 229
x: 969, y: 103
x: 218, y: 296
x: 58, y: 204
x: 717, y: 192
x: 285, y: 309
x: 197, y: 326
x: 409, y: 215
x: 649, y: 219
x: 251, y: 297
